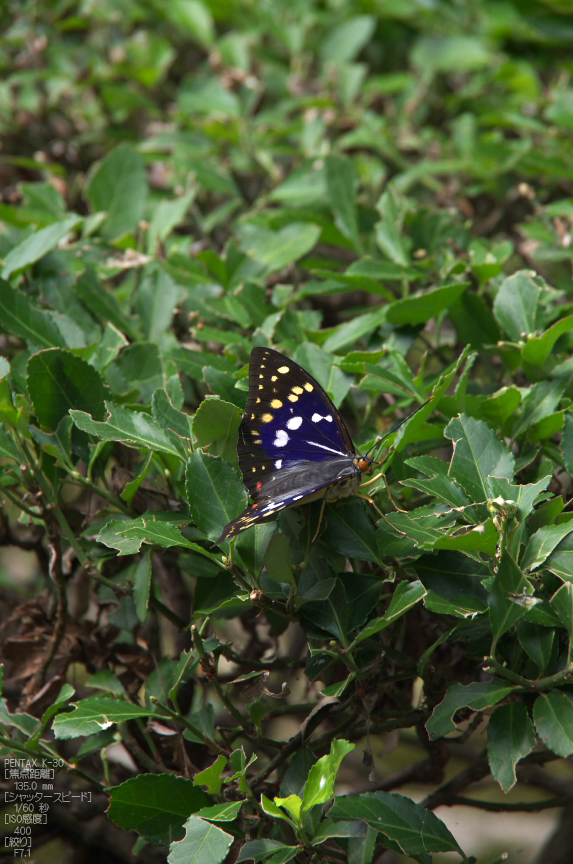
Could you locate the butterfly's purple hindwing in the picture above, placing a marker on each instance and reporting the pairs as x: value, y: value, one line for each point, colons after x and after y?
x: 293, y: 445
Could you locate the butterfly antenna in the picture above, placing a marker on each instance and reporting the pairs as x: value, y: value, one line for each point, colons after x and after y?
x: 397, y: 425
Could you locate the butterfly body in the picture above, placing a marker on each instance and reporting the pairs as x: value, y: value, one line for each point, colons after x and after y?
x: 293, y: 446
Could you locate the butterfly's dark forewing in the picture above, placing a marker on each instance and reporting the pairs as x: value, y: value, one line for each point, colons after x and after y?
x: 293, y: 445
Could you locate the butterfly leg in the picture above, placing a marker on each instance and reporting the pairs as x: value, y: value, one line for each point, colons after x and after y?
x: 387, y: 487
x: 373, y: 480
x: 370, y: 500
x: 323, y: 502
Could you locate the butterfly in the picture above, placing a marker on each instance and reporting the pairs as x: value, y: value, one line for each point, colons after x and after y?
x: 293, y: 445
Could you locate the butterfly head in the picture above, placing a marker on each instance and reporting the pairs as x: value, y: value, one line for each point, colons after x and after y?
x: 365, y: 463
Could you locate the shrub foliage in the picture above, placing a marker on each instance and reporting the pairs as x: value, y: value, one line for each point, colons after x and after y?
x: 382, y: 191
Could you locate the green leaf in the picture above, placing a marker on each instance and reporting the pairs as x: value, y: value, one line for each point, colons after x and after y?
x: 510, y: 737
x: 509, y: 583
x: 137, y: 367
x: 157, y: 298
x: 261, y: 850
x: 58, y: 380
x: 553, y: 718
x: 341, y: 184
x: 515, y: 305
x: 567, y: 442
x: 538, y: 348
x: 456, y: 580
x: 417, y: 831
x: 8, y: 449
x: 523, y: 496
x: 19, y: 316
x: 95, y: 714
x: 350, y: 332
x: 439, y: 484
x: 562, y: 604
x: 169, y: 417
x: 221, y: 812
x: 103, y: 303
x: 211, y: 777
x: 142, y: 586
x: 537, y: 642
x: 478, y: 695
x: 392, y: 208
x: 155, y: 805
x: 292, y: 804
x: 276, y: 249
x: 350, y: 531
x: 251, y: 547
x: 278, y: 560
x: 457, y: 52
x: 329, y: 611
x: 214, y: 492
x: 347, y: 38
x: 38, y: 244
x: 319, y: 787
x: 328, y: 828
x: 131, y: 427
x: 478, y: 454
x: 543, y: 543
x: 203, y: 843
x: 419, y: 308
x: 166, y: 216
x: 158, y: 528
x: 216, y: 425
x: 406, y: 595
x: 118, y: 187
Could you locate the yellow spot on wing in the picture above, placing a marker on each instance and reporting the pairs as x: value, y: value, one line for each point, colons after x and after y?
x: 308, y: 387
x: 261, y: 387
x: 284, y: 369
x: 292, y: 397
x: 276, y: 403
x: 257, y: 441
x: 266, y: 418
x: 297, y: 390
x: 253, y: 469
x: 274, y: 377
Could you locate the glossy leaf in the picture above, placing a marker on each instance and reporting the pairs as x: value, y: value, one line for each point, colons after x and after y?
x: 553, y: 718
x: 215, y: 493
x: 94, y: 714
x: 131, y: 427
x: 510, y: 737
x: 203, y: 843
x: 319, y: 787
x: 476, y: 696
x: 57, y: 380
x: 118, y: 187
x: 478, y: 454
x: 155, y: 805
x: 416, y: 831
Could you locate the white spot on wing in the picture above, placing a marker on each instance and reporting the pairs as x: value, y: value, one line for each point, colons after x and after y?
x: 316, y: 418
x: 282, y: 438
x: 278, y: 463
x: 324, y: 447
x: 294, y: 422
x: 296, y: 497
